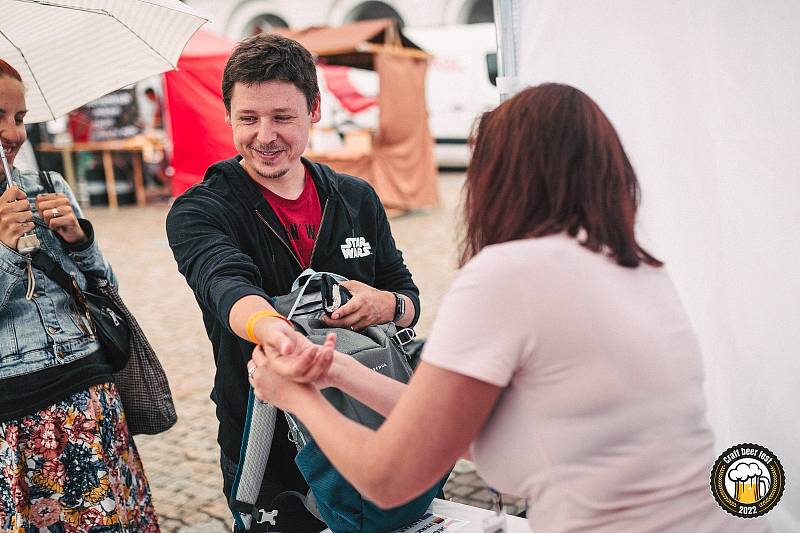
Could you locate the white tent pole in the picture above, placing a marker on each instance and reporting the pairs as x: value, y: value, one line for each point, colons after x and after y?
x: 505, y: 21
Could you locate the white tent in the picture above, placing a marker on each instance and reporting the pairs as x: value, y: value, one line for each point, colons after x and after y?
x: 706, y: 97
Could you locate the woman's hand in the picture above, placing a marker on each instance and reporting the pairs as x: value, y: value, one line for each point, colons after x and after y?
x: 295, y: 357
x: 59, y: 217
x: 16, y: 216
x: 271, y: 387
x: 281, y: 376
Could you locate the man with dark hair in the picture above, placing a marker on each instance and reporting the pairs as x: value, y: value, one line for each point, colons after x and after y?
x: 256, y: 222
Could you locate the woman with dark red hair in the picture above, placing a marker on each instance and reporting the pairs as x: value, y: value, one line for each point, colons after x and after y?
x: 561, y: 356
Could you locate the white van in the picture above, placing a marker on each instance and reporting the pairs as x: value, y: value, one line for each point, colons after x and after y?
x: 460, y: 83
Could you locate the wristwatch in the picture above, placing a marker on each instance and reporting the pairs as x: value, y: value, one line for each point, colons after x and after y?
x: 399, y: 307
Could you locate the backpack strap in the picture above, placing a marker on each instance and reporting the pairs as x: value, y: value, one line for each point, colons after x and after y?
x: 299, y: 280
x: 308, y: 275
x: 256, y: 443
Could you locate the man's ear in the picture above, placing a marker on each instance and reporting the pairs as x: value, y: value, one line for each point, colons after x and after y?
x: 227, y: 117
x: 316, y: 112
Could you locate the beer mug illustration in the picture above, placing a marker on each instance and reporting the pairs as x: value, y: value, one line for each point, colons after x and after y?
x: 751, y: 481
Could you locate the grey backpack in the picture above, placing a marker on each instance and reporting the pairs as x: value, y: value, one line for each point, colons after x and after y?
x: 379, y: 347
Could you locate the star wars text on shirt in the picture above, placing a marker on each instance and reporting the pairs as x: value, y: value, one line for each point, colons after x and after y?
x: 354, y: 247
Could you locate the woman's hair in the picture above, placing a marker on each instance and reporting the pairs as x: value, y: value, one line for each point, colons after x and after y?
x: 8, y: 70
x: 549, y: 161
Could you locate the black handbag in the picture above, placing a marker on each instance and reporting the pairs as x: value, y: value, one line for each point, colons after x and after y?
x: 97, y: 314
x: 138, y: 374
x: 142, y: 384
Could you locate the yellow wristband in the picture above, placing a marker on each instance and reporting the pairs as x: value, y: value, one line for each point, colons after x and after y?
x: 258, y: 315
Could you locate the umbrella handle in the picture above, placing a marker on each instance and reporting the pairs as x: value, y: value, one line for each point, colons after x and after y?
x: 6, y: 170
x: 29, y: 242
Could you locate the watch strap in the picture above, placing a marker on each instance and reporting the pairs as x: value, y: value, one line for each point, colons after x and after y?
x: 399, y: 307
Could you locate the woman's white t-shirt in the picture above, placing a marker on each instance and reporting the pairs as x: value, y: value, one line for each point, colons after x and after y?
x: 601, y: 425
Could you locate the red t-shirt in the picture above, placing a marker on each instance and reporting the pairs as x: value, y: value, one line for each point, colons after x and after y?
x: 300, y: 218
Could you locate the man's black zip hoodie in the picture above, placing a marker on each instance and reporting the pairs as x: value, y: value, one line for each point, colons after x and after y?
x: 228, y: 243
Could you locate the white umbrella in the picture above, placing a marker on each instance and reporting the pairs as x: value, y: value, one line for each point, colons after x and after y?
x: 70, y: 52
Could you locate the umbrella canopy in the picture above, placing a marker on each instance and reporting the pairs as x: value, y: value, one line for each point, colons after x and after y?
x: 70, y: 52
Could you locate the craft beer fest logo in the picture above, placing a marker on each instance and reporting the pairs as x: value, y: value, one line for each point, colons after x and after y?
x: 747, y: 480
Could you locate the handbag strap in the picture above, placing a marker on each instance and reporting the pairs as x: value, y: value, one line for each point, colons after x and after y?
x: 43, y: 261
x: 47, y: 182
x: 47, y: 264
x: 53, y: 270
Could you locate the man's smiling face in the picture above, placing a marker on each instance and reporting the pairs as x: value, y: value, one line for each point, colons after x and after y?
x: 271, y: 124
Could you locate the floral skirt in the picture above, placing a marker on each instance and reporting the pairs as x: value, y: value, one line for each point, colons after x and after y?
x: 73, y: 467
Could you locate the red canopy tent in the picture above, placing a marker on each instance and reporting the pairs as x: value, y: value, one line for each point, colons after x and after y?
x: 200, y: 137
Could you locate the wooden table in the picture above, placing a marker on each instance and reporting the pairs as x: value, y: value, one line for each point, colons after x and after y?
x: 135, y: 145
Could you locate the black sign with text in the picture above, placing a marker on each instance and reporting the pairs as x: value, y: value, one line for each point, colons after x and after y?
x: 113, y: 116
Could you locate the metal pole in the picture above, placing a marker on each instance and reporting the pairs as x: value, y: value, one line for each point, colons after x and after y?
x: 507, y: 67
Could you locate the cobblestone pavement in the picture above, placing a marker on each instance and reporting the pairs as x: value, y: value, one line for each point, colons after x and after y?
x: 183, y: 463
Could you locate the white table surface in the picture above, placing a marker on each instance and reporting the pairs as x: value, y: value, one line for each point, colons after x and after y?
x: 474, y: 515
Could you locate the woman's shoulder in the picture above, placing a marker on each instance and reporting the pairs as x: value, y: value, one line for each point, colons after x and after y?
x: 524, y: 253
x: 535, y: 260
x: 502, y: 265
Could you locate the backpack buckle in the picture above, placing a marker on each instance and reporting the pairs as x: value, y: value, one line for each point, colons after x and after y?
x: 265, y: 516
x: 404, y: 336
x: 295, y: 435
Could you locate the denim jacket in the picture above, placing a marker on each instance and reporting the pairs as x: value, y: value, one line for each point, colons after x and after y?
x: 44, y: 331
